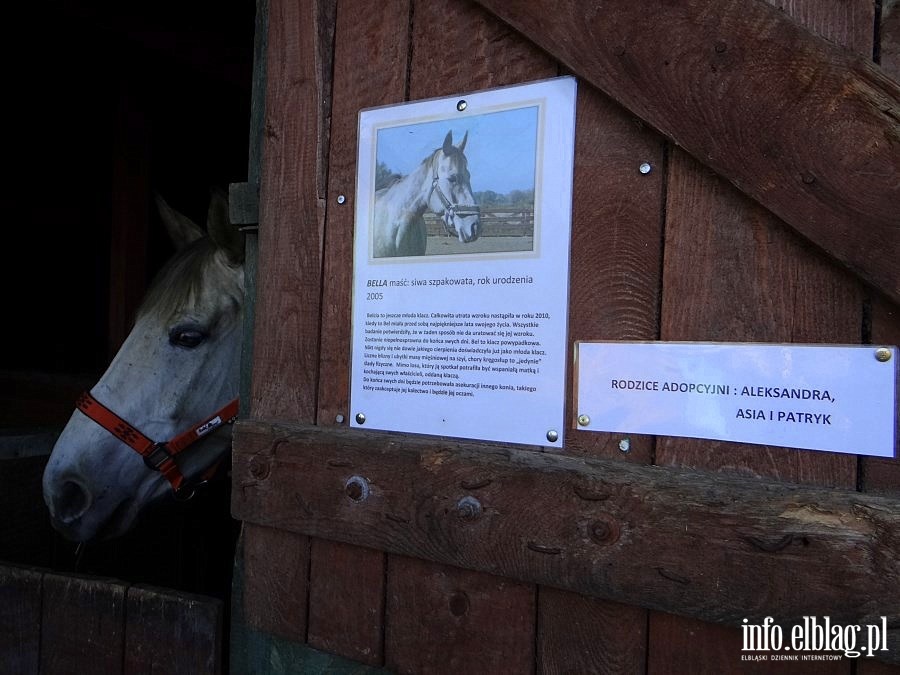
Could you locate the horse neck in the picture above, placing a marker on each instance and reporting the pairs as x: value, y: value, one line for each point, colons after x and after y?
x: 413, y: 190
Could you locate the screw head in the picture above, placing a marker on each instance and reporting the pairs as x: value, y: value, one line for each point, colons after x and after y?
x: 360, y: 418
x: 883, y: 354
x: 625, y: 445
x: 341, y: 199
x: 468, y: 508
x: 339, y: 419
x: 462, y: 105
x: 357, y: 488
x: 552, y: 436
x: 645, y: 168
x: 583, y: 420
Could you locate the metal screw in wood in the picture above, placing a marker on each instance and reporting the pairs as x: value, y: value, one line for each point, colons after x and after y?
x: 357, y: 488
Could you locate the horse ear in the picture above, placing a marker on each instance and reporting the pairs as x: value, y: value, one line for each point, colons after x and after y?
x: 448, y: 143
x: 224, y: 235
x: 462, y: 144
x: 181, y: 229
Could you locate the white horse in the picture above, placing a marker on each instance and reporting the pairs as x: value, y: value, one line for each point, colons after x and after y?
x: 440, y: 183
x: 173, y: 382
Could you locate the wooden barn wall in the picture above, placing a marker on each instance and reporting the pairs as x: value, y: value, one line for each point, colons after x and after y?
x: 677, y: 254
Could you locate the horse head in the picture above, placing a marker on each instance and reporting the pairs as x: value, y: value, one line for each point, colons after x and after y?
x: 451, y: 190
x: 176, y: 368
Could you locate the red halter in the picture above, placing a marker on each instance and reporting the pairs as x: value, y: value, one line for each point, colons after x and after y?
x: 159, y: 456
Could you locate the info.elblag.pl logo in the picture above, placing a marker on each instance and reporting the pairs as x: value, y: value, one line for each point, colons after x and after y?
x: 814, y: 634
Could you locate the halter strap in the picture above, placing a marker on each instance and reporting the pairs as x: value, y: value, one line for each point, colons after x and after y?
x: 451, y: 210
x: 159, y: 456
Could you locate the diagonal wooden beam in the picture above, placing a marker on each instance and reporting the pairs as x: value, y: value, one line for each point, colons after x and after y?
x: 809, y: 130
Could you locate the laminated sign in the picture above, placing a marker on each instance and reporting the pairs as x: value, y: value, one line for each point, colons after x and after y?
x: 834, y: 398
x: 461, y: 264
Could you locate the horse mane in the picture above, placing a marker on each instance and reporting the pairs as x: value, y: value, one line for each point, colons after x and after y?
x: 179, y: 282
x: 385, y: 182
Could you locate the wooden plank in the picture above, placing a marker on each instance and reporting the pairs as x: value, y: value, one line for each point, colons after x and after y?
x: 616, y: 262
x: 733, y: 273
x: 275, y: 581
x: 798, y: 132
x: 347, y: 583
x: 443, y: 619
x: 20, y: 620
x: 879, y: 474
x: 286, y: 332
x: 703, y: 649
x: 83, y: 625
x: 882, y: 474
x: 363, y: 78
x: 616, y: 257
x: 173, y: 633
x: 285, y: 350
x: 346, y: 601
x: 869, y: 667
x: 589, y: 636
x: 475, y: 52
x: 571, y: 522
x: 890, y: 37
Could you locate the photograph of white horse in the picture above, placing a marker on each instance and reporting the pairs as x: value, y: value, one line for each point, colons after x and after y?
x: 441, y: 184
x: 157, y: 420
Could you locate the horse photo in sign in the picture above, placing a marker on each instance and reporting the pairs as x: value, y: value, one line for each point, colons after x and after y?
x: 156, y: 421
x: 426, y: 207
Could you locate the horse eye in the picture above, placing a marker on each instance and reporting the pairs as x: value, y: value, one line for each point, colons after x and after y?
x: 186, y: 337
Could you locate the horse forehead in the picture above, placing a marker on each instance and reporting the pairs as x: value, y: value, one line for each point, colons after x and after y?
x: 455, y: 160
x: 216, y: 290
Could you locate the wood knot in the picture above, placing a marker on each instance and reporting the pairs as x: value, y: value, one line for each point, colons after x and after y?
x: 604, y: 530
x: 459, y: 603
x: 259, y: 468
x: 720, y: 46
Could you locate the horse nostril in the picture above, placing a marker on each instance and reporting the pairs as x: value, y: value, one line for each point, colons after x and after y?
x: 71, y: 502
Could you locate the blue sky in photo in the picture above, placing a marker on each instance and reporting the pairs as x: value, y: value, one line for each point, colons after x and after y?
x: 501, y: 148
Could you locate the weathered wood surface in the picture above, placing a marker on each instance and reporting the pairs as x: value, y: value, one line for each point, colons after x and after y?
x: 82, y: 624
x: 668, y: 539
x: 288, y: 282
x: 54, y: 623
x: 290, y: 248
x: 277, y: 581
x: 442, y: 619
x: 20, y: 620
x: 804, y: 127
x: 172, y: 633
x: 733, y: 272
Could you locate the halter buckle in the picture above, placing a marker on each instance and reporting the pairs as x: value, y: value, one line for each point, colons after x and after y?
x: 158, y: 456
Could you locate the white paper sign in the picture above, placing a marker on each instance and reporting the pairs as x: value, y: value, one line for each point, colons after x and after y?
x: 839, y: 399
x: 461, y: 265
